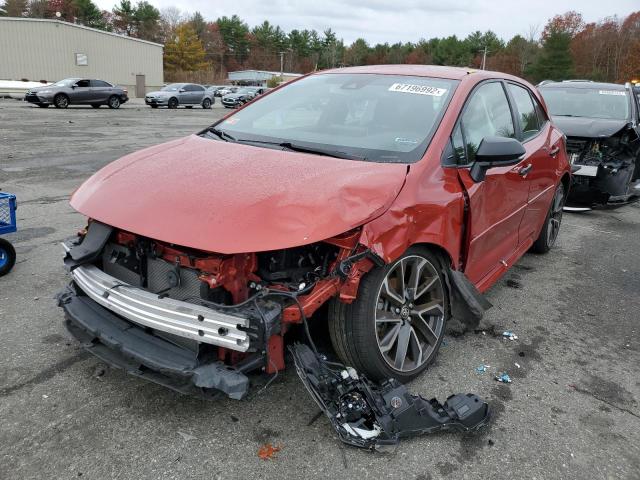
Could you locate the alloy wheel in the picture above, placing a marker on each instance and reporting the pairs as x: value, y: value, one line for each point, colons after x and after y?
x: 410, y: 313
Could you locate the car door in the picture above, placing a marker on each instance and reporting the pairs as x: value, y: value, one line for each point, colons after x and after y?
x: 197, y: 94
x: 100, y: 91
x: 496, y: 204
x: 80, y: 91
x: 542, y: 144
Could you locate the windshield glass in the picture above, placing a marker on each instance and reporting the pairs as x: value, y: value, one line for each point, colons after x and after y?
x: 243, y: 90
x: 587, y: 102
x: 65, y: 82
x: 380, y: 118
x: 174, y: 87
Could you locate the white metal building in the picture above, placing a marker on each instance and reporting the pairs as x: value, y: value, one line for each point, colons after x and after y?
x: 259, y: 77
x: 50, y: 50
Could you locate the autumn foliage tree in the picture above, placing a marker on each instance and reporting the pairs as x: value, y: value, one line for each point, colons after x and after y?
x: 184, y: 51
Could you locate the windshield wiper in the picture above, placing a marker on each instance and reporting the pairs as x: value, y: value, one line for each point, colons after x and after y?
x: 222, y: 134
x: 301, y: 148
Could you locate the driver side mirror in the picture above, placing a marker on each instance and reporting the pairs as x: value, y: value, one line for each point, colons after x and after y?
x: 495, y: 152
x: 74, y: 86
x: 182, y: 90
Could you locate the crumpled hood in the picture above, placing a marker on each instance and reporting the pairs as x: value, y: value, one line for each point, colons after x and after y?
x: 589, y: 127
x: 232, y: 198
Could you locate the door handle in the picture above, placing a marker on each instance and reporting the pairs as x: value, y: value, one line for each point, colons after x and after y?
x: 523, y: 171
x: 554, y: 151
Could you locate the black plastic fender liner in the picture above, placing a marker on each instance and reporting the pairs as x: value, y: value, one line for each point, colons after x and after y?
x: 467, y: 303
x: 90, y: 247
x: 376, y: 416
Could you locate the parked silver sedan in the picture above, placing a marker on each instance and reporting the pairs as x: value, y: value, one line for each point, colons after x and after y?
x: 78, y: 91
x: 180, y: 94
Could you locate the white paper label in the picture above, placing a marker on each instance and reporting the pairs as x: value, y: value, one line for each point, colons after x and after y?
x: 417, y: 89
x: 612, y: 92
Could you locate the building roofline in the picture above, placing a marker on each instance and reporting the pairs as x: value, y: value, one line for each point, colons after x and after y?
x: 51, y: 20
x: 267, y: 71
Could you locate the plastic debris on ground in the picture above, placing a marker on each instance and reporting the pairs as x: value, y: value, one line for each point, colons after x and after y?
x: 517, y: 365
x: 267, y: 451
x: 503, y: 378
x: 510, y: 335
x: 482, y: 368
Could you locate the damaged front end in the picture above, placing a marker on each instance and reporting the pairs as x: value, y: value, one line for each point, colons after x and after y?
x: 606, y: 171
x: 196, y: 321
x: 376, y: 416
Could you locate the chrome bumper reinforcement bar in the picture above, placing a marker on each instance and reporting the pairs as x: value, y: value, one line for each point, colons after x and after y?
x: 165, y: 314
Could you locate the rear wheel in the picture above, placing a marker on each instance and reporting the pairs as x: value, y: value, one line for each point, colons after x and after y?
x: 113, y: 102
x: 7, y: 257
x: 173, y: 103
x: 206, y: 104
x: 395, y: 326
x: 61, y: 101
x: 549, y: 233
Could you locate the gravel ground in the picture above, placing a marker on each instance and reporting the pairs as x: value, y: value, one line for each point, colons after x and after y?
x: 572, y: 410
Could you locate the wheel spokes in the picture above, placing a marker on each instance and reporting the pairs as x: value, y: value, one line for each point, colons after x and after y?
x: 404, y: 335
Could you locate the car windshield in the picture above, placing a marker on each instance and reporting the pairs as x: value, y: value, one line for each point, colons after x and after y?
x: 379, y: 118
x: 174, y: 87
x: 587, y: 102
x: 66, y: 82
x: 243, y: 90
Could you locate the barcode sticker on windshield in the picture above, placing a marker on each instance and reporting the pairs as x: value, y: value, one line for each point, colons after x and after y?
x: 612, y: 92
x: 417, y: 89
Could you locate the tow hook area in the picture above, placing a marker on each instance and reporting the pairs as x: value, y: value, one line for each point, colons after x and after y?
x: 376, y: 416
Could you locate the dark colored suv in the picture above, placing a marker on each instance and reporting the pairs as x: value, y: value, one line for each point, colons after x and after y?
x: 78, y: 91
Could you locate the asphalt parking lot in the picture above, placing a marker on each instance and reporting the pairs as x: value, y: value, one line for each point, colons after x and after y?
x: 572, y: 410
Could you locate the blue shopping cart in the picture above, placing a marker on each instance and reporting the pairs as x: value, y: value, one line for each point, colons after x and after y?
x: 8, y: 207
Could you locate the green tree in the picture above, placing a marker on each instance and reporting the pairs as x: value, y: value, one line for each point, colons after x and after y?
x: 199, y: 25
x: 13, y: 8
x: 555, y: 61
x: 147, y: 21
x: 235, y: 34
x: 124, y: 18
x: 183, y: 51
x: 87, y: 13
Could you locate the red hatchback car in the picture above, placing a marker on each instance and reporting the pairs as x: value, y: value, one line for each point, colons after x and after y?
x: 395, y: 194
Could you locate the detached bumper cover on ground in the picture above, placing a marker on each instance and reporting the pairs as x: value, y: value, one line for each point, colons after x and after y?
x: 373, y: 416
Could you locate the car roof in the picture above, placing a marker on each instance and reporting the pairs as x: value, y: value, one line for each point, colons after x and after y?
x: 583, y: 84
x: 453, y: 73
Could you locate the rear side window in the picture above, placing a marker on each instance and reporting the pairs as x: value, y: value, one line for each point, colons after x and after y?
x: 194, y: 88
x: 487, y: 114
x: 527, y: 115
x: 99, y: 83
x: 82, y: 83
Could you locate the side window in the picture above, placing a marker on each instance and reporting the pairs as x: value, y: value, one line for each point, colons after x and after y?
x: 198, y: 88
x: 459, y: 152
x: 99, y: 83
x: 486, y: 114
x: 82, y: 83
x: 542, y: 116
x: 527, y: 115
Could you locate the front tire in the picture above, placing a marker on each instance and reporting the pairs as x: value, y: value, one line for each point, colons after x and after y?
x: 395, y: 326
x: 61, y: 101
x: 551, y: 227
x: 7, y: 257
x: 206, y: 104
x: 173, y: 103
x: 113, y: 102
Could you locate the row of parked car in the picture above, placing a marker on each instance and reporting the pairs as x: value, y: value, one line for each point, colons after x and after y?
x: 189, y: 95
x: 85, y: 91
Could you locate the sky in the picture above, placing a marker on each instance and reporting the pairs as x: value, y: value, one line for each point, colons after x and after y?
x: 379, y: 21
